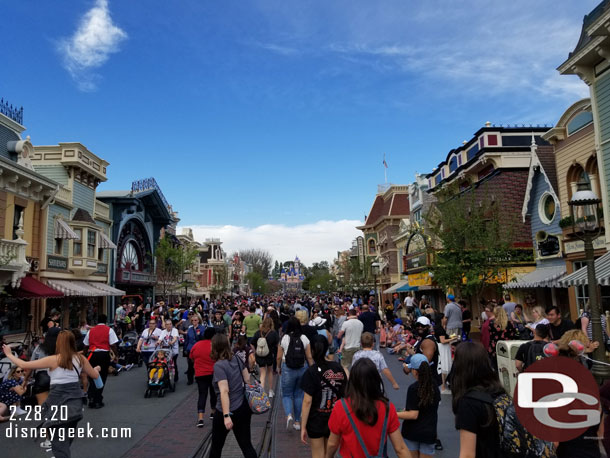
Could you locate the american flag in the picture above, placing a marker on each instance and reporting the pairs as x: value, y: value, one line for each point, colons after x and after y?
x: 385, y: 164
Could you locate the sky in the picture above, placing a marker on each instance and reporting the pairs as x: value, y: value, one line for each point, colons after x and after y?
x: 265, y: 122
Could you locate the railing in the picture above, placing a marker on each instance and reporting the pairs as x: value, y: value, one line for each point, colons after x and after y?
x: 64, y: 194
x: 12, y: 254
x: 102, y: 209
x: 147, y: 184
x: 16, y: 114
x: 212, y: 240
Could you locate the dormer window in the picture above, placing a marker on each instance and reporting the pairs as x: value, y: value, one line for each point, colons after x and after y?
x: 453, y: 164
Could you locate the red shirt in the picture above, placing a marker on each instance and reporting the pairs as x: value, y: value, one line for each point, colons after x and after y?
x: 371, y: 435
x: 200, y: 354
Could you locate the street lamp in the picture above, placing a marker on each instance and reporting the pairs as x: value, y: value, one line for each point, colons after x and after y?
x: 375, y: 268
x: 584, y: 210
x: 185, y: 283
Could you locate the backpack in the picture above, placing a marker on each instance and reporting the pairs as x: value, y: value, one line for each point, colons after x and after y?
x: 535, y: 352
x: 262, y: 349
x: 295, y: 356
x: 514, y: 440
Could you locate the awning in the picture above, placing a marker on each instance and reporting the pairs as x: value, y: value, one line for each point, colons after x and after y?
x: 105, y: 242
x: 64, y: 231
x: 394, y: 288
x: 107, y: 290
x: 405, y: 288
x: 78, y: 288
x: 541, y: 277
x: 602, y: 273
x: 31, y: 288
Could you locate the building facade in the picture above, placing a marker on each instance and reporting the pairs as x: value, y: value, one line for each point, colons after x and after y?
x: 494, y: 166
x: 382, y: 224
x: 76, y: 243
x: 576, y: 159
x: 25, y: 196
x: 139, y: 217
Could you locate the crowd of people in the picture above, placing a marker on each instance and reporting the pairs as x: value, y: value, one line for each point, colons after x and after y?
x: 330, y: 356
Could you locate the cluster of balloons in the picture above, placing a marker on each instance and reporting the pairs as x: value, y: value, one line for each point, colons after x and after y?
x: 551, y: 349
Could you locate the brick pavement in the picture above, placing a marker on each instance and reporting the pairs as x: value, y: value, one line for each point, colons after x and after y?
x: 175, y: 435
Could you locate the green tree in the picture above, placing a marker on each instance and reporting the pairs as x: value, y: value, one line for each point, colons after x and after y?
x: 172, y: 261
x: 221, y: 280
x: 471, y: 244
x: 257, y: 282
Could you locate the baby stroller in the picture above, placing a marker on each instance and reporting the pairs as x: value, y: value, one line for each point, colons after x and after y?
x: 160, y: 383
x: 127, y: 349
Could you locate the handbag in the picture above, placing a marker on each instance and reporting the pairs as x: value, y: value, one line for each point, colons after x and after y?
x: 255, y: 396
x: 383, y: 446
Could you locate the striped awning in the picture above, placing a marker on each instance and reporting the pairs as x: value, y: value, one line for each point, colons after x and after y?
x: 64, y: 231
x: 74, y: 288
x: 105, y: 242
x: 394, y: 288
x: 107, y: 290
x: 602, y: 273
x: 542, y: 277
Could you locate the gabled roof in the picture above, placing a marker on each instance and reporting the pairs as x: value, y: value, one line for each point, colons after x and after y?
x: 542, y: 160
x: 83, y: 216
x: 395, y: 205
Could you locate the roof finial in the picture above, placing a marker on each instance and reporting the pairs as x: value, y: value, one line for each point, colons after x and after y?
x: 487, y: 124
x: 533, y: 144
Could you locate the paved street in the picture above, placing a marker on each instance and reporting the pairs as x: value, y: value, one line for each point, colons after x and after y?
x: 166, y: 426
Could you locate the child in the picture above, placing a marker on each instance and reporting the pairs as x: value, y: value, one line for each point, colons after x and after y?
x: 158, y: 363
x: 421, y: 411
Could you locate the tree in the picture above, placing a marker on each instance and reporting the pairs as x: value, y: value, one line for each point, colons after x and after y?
x: 471, y: 245
x: 260, y: 260
x: 256, y: 282
x: 172, y: 261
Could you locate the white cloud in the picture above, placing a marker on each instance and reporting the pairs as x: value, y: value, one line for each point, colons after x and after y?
x: 312, y: 242
x: 279, y: 49
x: 91, y: 45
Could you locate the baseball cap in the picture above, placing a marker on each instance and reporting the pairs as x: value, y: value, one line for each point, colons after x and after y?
x: 423, y: 320
x: 416, y: 361
x: 451, y: 297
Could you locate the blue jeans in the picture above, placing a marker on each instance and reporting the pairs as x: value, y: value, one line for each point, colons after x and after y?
x: 292, y: 394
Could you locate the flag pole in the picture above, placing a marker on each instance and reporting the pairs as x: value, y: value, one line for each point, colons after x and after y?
x: 385, y: 169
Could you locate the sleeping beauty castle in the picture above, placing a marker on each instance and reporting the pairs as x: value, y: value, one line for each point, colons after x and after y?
x: 292, y: 278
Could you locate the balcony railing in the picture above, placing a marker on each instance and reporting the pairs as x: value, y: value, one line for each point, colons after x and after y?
x: 16, y: 114
x: 13, y: 263
x: 64, y: 195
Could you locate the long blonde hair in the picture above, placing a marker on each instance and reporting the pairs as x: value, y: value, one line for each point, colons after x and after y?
x: 266, y: 325
x: 540, y: 311
x: 501, y: 318
x: 301, y: 316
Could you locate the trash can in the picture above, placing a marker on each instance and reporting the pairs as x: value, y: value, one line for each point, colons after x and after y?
x: 506, y: 350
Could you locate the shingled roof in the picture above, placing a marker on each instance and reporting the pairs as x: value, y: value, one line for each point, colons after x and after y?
x: 83, y: 216
x: 546, y: 155
x: 395, y: 205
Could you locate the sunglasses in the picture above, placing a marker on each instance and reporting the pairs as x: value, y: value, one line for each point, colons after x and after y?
x: 19, y: 371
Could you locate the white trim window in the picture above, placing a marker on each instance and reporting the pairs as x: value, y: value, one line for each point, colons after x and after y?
x: 547, y: 208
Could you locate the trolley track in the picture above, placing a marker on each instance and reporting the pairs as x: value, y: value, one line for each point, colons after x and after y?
x: 265, y: 447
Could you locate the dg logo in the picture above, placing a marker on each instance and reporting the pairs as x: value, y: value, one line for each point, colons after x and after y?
x: 557, y: 399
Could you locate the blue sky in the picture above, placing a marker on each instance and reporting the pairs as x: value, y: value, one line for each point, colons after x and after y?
x: 266, y: 122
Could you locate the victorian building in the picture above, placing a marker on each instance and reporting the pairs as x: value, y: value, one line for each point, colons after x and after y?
x: 139, y: 217
x: 541, y: 206
x: 76, y: 244
x: 590, y: 61
x: 25, y: 196
x: 412, y: 244
x: 390, y: 207
x: 494, y: 166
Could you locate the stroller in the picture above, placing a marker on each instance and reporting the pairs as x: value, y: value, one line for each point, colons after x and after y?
x: 127, y: 349
x: 160, y: 383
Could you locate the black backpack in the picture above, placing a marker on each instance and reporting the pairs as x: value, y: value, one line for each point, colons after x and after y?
x: 295, y: 356
x: 535, y: 352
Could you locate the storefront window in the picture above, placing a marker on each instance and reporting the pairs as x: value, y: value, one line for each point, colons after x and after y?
x: 582, y: 292
x: 13, y: 316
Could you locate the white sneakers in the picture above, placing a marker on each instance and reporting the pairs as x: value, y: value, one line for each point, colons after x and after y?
x: 297, y: 427
x: 271, y: 393
x: 289, y: 421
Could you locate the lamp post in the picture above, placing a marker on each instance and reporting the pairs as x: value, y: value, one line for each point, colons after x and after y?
x: 584, y: 210
x: 185, y: 283
x: 375, y: 271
